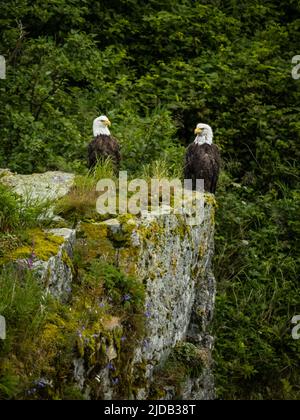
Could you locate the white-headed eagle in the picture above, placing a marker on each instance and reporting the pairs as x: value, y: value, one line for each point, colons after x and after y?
x: 202, y: 159
x: 104, y: 145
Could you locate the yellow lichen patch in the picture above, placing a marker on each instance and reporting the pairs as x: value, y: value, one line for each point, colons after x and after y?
x: 202, y: 249
x: 67, y: 260
x: 94, y: 230
x: 38, y: 242
x: 210, y: 199
x: 125, y: 218
x: 152, y: 233
x: 48, y: 341
x: 182, y: 229
x: 95, y: 242
x: 174, y: 262
x: 128, y: 260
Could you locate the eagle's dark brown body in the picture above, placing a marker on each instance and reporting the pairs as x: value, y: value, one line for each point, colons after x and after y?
x: 102, y: 147
x: 203, y: 162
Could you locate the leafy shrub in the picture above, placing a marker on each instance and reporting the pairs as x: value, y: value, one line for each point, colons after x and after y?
x: 257, y: 267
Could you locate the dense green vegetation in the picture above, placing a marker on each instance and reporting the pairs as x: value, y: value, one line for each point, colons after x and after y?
x: 156, y: 68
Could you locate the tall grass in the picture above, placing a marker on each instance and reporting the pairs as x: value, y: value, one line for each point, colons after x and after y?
x: 9, y: 209
x: 80, y: 202
x: 20, y: 299
x: 23, y: 305
x: 161, y: 168
x: 18, y: 213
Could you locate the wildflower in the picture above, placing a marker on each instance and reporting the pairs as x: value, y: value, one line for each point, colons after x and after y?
x: 31, y: 259
x: 41, y: 383
x: 146, y: 344
x: 147, y: 314
x: 110, y: 366
x: 126, y: 297
x: 101, y: 304
x: 123, y: 339
x: 115, y: 381
x: 30, y: 263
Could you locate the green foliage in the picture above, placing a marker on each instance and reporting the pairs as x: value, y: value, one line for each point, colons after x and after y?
x: 119, y: 287
x: 157, y: 68
x: 9, y: 214
x: 72, y: 393
x: 257, y: 265
x: 21, y: 220
x: 103, y: 169
x: 191, y: 357
x: 23, y: 304
x: 21, y: 298
x: 80, y: 202
x: 157, y: 169
x: 18, y: 212
x: 185, y: 361
x: 148, y: 138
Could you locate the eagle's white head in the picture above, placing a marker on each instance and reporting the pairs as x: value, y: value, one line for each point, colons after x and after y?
x: 100, y: 125
x: 204, y: 134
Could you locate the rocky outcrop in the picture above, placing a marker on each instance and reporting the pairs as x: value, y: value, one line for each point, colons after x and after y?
x: 175, y: 266
x: 41, y: 187
x: 171, y: 260
x: 56, y: 273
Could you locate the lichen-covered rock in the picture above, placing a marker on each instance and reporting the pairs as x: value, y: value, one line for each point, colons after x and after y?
x: 179, y: 283
x: 42, y: 187
x: 54, y: 265
x: 57, y: 272
x: 169, y: 262
x: 173, y: 261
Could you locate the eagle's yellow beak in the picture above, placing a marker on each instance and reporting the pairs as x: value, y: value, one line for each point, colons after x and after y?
x: 107, y: 123
x: 198, y: 130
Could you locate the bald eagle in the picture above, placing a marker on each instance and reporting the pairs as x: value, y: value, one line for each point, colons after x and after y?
x: 202, y: 159
x: 103, y: 145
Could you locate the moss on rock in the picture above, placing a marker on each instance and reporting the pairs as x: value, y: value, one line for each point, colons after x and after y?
x: 36, y: 243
